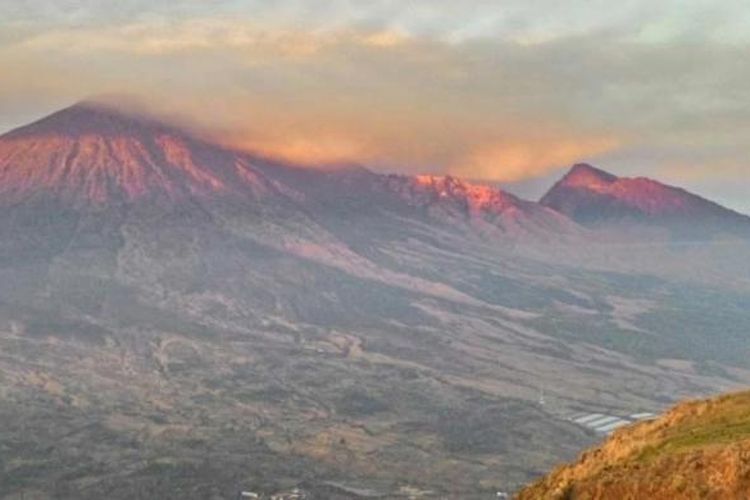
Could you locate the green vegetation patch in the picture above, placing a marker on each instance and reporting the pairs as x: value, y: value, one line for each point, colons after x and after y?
x: 727, y: 420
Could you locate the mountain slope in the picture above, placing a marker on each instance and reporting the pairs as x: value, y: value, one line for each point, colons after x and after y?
x: 598, y: 199
x: 92, y: 155
x: 292, y: 327
x: 698, y: 450
x: 310, y: 326
x: 448, y: 198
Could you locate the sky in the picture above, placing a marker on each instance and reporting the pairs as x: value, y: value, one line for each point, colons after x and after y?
x: 503, y: 91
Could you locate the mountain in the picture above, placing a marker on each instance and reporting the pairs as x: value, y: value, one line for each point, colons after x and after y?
x: 92, y: 155
x: 697, y: 450
x: 180, y: 319
x: 596, y: 198
x: 450, y: 198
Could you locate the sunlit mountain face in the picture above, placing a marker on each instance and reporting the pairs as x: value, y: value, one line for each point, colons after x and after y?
x: 591, y: 196
x: 164, y: 299
x: 91, y: 155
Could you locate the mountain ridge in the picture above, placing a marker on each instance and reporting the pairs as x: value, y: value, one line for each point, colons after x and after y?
x: 92, y: 154
x: 593, y: 197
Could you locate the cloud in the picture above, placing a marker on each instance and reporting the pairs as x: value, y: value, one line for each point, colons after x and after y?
x: 217, y: 35
x: 499, y: 92
x: 535, y: 21
x: 518, y: 160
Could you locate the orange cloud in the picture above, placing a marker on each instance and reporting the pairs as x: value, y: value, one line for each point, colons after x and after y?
x: 153, y: 39
x: 398, y: 100
x: 706, y: 170
x: 511, y: 161
x: 384, y: 39
x: 320, y: 151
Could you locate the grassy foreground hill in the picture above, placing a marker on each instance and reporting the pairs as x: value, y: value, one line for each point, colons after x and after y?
x: 699, y: 449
